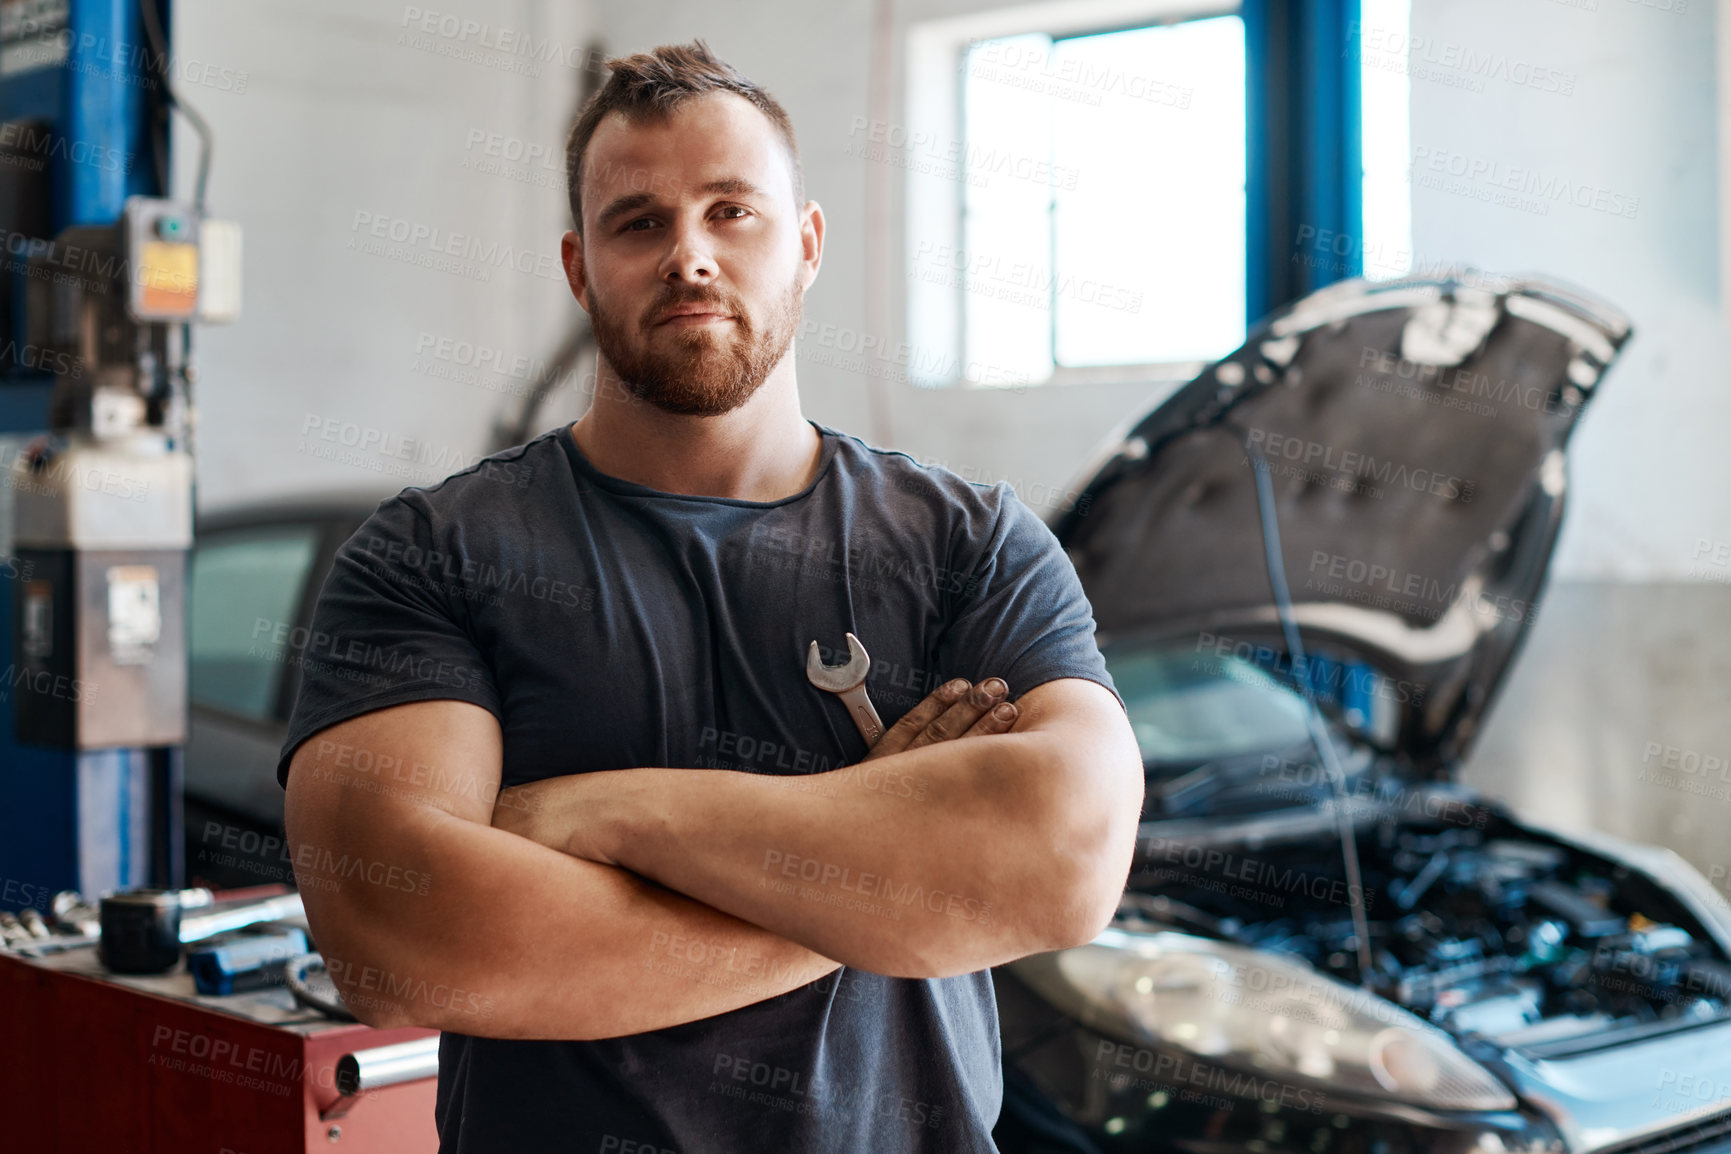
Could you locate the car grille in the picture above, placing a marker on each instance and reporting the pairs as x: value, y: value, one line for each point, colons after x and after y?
x: 1696, y: 1138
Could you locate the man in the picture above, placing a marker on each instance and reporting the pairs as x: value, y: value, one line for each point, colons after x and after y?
x: 563, y: 790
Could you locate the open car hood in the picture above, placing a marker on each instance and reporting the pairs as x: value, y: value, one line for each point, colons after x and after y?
x: 1415, y: 432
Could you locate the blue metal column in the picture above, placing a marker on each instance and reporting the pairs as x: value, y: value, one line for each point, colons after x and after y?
x: 73, y: 820
x: 1304, y: 175
x: 108, y: 74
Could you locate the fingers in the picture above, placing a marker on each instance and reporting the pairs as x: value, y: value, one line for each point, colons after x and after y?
x: 911, y: 723
x: 964, y: 713
x: 997, y: 719
x: 954, y: 709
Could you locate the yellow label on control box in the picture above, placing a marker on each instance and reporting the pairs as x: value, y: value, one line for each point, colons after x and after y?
x: 168, y: 276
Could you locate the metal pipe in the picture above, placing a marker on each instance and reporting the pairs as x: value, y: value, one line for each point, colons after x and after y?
x: 383, y: 1066
x: 288, y: 907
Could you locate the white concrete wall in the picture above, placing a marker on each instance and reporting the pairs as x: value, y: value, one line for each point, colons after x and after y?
x: 1615, y: 718
x: 1623, y: 683
x: 1651, y: 477
x: 342, y: 114
x: 816, y: 59
x: 338, y: 117
x: 1623, y: 658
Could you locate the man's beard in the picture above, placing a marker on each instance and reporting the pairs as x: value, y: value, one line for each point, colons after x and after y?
x: 709, y: 370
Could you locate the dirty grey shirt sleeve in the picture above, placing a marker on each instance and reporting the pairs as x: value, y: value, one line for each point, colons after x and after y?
x: 1022, y: 614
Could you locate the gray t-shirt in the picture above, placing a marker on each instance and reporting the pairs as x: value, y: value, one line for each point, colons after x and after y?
x: 608, y: 626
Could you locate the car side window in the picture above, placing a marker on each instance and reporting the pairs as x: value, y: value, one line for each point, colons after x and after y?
x: 245, y: 592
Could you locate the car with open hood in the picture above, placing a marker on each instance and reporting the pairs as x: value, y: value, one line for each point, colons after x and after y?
x: 1311, y: 568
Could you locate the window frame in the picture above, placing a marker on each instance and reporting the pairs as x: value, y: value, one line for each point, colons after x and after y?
x: 935, y: 315
x: 1304, y: 164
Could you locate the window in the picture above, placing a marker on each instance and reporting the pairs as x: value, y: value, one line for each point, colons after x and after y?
x: 1186, y: 710
x: 245, y: 584
x: 1384, y: 38
x: 1099, y: 204
x: 1077, y: 204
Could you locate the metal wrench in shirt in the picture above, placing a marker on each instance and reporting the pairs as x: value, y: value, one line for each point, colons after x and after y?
x: 848, y: 682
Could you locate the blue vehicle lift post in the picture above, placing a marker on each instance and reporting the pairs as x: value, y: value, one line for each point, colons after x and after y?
x: 89, y: 820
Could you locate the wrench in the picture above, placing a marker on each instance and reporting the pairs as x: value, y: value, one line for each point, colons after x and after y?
x: 848, y: 682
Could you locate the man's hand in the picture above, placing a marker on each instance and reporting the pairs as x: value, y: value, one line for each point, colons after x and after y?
x: 1019, y: 843
x: 954, y: 709
x: 566, y: 813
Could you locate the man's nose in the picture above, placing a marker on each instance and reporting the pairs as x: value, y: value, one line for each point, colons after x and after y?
x: 689, y: 259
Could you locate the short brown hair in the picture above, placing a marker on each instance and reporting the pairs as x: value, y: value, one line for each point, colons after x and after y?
x: 651, y: 86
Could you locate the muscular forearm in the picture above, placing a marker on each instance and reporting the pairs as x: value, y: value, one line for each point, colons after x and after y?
x: 994, y: 856
x: 513, y: 940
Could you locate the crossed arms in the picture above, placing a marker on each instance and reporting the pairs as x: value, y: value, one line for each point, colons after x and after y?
x: 610, y: 903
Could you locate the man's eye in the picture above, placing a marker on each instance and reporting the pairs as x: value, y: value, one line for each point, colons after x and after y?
x: 632, y: 227
x: 738, y: 209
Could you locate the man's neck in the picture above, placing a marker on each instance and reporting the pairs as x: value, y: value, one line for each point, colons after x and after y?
x: 764, y: 450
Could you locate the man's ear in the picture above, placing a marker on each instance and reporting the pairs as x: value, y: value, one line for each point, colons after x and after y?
x: 811, y: 241
x: 571, y: 255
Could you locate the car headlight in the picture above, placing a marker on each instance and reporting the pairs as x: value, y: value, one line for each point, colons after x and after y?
x: 1262, y: 1012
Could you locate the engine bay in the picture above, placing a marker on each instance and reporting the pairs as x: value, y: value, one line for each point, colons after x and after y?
x: 1479, y: 927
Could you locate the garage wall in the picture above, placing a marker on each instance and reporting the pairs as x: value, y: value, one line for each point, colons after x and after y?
x: 1616, y: 718
x: 1616, y: 713
x: 1635, y: 130
x: 1631, y: 132
x: 360, y: 121
x: 339, y: 118
x: 817, y: 60
x: 355, y: 118
x: 1625, y: 656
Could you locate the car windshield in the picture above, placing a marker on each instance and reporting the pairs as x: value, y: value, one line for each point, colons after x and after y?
x: 1188, y: 706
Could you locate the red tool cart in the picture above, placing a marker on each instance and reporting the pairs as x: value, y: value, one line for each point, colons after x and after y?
x: 98, y: 1063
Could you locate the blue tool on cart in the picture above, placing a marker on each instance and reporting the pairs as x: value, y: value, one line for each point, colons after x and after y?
x: 236, y: 963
